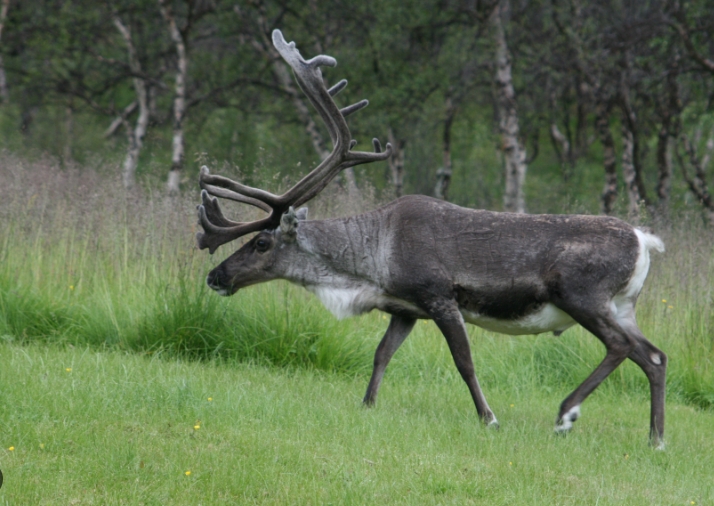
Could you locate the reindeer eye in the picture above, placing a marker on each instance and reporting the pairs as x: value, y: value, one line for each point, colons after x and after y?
x: 261, y: 245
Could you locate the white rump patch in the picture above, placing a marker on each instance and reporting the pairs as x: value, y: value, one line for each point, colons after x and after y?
x: 546, y: 319
x: 566, y: 423
x: 622, y: 304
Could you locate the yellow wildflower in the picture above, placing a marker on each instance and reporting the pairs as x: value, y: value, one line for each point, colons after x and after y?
x: 69, y: 369
x: 12, y: 448
x: 187, y: 473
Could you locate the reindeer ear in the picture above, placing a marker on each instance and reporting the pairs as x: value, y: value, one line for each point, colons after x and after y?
x: 302, y: 214
x: 289, y: 224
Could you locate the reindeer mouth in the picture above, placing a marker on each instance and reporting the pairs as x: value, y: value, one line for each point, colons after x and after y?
x: 222, y: 290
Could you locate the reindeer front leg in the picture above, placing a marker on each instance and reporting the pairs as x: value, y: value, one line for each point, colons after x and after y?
x: 447, y: 317
x: 398, y: 330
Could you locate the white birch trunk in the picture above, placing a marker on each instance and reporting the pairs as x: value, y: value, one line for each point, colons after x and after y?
x: 396, y: 162
x: 514, y: 153
x: 629, y: 174
x: 179, y: 107
x: 135, y: 136
x: 443, y: 174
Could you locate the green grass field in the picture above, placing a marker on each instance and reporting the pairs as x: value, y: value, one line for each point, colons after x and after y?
x: 86, y: 427
x: 123, y: 380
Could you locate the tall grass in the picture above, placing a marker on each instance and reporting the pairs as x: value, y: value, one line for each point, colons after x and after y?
x: 83, y: 263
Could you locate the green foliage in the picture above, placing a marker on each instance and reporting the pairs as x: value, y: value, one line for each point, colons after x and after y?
x: 68, y: 78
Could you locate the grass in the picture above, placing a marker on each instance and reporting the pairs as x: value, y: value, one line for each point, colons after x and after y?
x: 111, y: 345
x: 91, y: 427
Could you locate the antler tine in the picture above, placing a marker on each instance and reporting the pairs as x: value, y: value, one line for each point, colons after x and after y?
x: 213, y: 212
x: 346, y: 111
x: 214, y: 236
x: 364, y: 157
x: 222, y: 190
x: 334, y: 90
x: 243, y: 193
x: 217, y: 229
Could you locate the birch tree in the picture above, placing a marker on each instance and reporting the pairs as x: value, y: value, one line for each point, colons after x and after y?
x: 505, y: 97
x: 179, y: 102
x: 135, y: 135
x: 694, y: 170
x: 180, y: 38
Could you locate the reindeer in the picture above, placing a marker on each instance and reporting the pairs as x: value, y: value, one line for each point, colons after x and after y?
x: 423, y: 258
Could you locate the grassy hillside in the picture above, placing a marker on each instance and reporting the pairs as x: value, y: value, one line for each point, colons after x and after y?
x: 112, y: 345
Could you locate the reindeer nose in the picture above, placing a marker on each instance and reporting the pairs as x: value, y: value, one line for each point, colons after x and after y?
x: 213, y: 279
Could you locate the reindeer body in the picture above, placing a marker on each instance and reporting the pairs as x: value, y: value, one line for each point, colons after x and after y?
x: 419, y: 257
x: 506, y: 272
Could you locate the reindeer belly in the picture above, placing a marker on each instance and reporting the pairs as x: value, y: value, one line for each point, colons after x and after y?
x: 355, y: 299
x: 545, y: 319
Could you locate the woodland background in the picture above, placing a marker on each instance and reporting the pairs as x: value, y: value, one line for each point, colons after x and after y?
x: 523, y: 105
x: 125, y: 380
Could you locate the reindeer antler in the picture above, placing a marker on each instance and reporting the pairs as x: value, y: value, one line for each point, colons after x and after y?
x: 217, y: 229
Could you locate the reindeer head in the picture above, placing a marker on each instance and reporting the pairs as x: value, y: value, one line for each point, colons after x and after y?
x: 268, y: 255
x: 256, y: 260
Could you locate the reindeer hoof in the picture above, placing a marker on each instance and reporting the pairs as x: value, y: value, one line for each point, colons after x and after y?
x: 565, y: 422
x: 493, y: 424
x: 657, y: 444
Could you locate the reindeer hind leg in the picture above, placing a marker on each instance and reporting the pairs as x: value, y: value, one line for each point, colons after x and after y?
x: 619, y: 344
x: 653, y: 363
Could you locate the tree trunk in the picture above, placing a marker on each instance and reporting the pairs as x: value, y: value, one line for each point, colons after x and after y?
x: 668, y: 131
x: 630, y: 174
x: 581, y: 139
x: 68, y: 134
x: 664, y: 168
x: 4, y: 94
x: 135, y: 136
x: 562, y: 149
x: 602, y: 125
x: 629, y: 122
x: 443, y: 174
x: 697, y: 182
x: 179, y: 106
x: 396, y: 162
x: 514, y: 153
